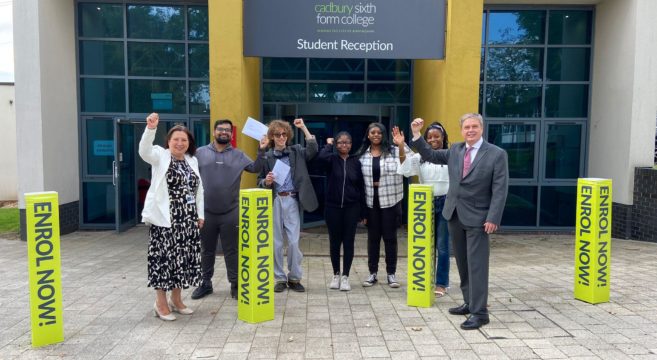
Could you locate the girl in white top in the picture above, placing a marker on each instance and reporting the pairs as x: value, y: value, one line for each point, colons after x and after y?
x: 437, y: 176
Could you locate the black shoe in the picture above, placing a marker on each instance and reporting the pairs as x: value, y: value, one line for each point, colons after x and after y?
x: 233, y: 290
x: 280, y: 286
x: 201, y: 291
x: 460, y: 310
x: 296, y: 286
x: 474, y: 322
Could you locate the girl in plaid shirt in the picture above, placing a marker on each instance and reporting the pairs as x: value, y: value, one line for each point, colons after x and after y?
x: 383, y: 194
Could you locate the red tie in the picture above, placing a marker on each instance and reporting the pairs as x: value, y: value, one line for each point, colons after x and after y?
x: 467, y: 161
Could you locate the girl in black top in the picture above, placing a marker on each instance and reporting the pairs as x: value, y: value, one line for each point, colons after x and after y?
x: 345, y: 199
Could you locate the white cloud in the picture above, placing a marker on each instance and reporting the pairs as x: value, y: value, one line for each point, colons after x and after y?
x: 6, y: 42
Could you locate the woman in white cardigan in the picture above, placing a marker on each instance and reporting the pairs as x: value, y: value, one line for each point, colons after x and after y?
x: 174, y: 211
x: 437, y: 176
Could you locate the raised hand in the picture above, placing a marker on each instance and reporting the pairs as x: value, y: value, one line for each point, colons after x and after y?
x: 152, y: 120
x: 264, y: 142
x: 397, y: 136
x: 329, y: 141
x: 416, y: 127
x: 299, y: 123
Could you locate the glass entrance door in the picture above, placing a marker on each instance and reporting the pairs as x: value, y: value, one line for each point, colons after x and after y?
x: 323, y: 127
x: 124, y: 175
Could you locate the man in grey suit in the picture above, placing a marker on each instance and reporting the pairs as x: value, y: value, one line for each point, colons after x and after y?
x: 478, y: 185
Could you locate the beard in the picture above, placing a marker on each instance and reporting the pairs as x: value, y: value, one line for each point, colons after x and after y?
x: 222, y: 140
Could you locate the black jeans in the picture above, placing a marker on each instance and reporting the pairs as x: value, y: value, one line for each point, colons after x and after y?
x: 382, y: 223
x: 225, y: 227
x: 341, y: 225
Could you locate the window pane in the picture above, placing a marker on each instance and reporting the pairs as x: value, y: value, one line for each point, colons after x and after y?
x: 568, y: 64
x: 102, y: 95
x: 391, y: 70
x: 100, y: 20
x: 516, y: 27
x: 201, y: 131
x: 558, y: 205
x: 99, y: 150
x: 101, y: 58
x: 520, y: 209
x: 513, y: 100
x: 514, y: 64
x: 337, y: 69
x: 563, y: 151
x: 98, y: 203
x: 337, y: 93
x: 284, y: 92
x: 157, y: 95
x: 156, y: 59
x: 199, y: 97
x: 199, y: 61
x: 268, y: 113
x: 569, y: 27
x: 518, y: 140
x: 389, y: 93
x: 284, y: 68
x: 156, y: 22
x: 197, y: 21
x: 566, y: 101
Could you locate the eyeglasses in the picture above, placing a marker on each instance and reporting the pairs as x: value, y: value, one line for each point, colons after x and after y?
x: 280, y: 135
x: 224, y: 130
x: 344, y: 143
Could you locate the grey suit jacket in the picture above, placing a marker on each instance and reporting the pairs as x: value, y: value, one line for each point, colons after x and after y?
x: 480, y: 196
x: 299, y: 155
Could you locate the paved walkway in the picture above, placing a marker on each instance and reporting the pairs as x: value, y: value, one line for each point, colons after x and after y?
x: 107, y: 308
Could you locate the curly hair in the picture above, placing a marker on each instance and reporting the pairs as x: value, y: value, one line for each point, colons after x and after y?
x: 279, y: 124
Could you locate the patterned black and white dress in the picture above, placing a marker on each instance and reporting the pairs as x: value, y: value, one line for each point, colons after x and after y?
x: 174, y: 254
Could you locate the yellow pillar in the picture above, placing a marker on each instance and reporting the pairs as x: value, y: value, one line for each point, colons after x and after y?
x: 443, y: 90
x: 234, y: 79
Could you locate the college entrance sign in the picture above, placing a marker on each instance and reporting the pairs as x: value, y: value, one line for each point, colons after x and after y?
x: 377, y: 29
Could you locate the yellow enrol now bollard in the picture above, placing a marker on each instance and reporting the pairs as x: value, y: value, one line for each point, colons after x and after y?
x: 593, y: 240
x: 44, y: 267
x: 255, y: 295
x: 421, y: 246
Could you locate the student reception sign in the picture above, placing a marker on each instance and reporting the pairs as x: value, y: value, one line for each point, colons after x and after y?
x: 255, y: 295
x: 374, y: 29
x: 44, y: 268
x: 593, y: 240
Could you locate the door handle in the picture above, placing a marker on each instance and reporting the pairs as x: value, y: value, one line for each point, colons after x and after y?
x: 114, y: 173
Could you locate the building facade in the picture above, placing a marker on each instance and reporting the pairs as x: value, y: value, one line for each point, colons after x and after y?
x: 568, y: 88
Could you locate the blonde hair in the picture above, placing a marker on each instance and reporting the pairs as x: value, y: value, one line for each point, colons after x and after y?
x: 471, y: 116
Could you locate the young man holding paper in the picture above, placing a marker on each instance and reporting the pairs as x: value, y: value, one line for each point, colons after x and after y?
x: 286, y: 172
x: 221, y: 167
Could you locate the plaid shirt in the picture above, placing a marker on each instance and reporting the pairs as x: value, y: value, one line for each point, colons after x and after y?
x: 391, y: 189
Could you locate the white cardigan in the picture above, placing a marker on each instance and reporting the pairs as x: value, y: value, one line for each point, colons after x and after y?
x: 156, y: 206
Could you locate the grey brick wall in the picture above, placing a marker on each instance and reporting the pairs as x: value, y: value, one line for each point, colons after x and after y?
x: 69, y: 219
x: 644, y: 210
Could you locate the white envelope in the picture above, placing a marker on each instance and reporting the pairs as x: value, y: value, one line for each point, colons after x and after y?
x: 254, y: 129
x: 280, y: 171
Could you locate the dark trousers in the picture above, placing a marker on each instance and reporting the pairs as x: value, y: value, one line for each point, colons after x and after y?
x: 341, y: 225
x: 382, y: 223
x: 223, y: 226
x: 471, y: 251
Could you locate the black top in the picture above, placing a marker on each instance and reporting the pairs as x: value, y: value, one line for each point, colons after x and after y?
x: 345, y: 179
x: 376, y: 168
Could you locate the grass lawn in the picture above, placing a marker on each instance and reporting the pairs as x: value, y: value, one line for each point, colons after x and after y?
x: 8, y: 220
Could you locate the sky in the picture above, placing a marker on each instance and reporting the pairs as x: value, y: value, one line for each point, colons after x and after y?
x: 6, y: 42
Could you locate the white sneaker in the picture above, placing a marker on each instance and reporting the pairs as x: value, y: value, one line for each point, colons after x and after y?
x: 392, y: 281
x: 344, y: 283
x: 335, y: 283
